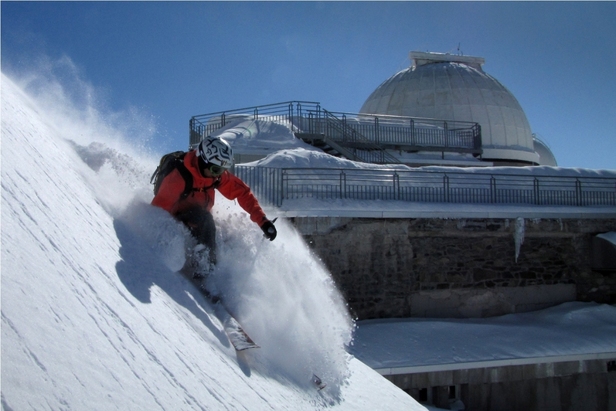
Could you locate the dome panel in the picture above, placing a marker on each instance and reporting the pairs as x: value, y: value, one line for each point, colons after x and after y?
x: 461, y: 111
x: 397, y: 101
x: 442, y: 97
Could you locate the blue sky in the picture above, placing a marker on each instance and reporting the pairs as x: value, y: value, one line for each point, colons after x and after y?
x: 172, y: 60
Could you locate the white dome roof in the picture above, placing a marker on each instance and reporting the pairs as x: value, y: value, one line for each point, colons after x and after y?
x: 449, y: 87
x: 546, y: 157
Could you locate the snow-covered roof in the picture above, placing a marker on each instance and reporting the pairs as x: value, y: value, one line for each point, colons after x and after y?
x: 569, y: 331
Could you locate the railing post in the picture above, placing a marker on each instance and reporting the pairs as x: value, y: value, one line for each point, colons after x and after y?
x: 284, y: 181
x: 492, y: 189
x: 413, y: 132
x: 536, y: 190
x: 396, y: 186
x: 446, y: 196
x: 191, y: 132
x: 310, y: 123
x: 342, y: 184
x: 256, y: 113
x: 477, y: 136
x: 578, y: 192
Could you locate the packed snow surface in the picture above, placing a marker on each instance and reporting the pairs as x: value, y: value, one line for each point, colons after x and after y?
x: 569, y: 329
x: 95, y: 315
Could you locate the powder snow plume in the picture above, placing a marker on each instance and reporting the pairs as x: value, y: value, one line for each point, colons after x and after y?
x: 281, y: 294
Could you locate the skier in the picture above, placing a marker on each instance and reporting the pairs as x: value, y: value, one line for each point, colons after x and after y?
x: 208, y: 165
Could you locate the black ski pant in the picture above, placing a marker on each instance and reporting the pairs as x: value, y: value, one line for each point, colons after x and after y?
x: 201, y: 225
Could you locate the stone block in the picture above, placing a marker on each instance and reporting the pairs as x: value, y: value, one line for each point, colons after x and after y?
x: 562, y: 369
x: 440, y: 378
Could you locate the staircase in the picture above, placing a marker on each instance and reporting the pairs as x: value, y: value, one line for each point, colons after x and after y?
x: 344, y: 137
x: 321, y: 142
x: 339, y: 139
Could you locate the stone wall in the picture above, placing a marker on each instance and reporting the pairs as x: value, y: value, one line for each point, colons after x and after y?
x: 403, y: 267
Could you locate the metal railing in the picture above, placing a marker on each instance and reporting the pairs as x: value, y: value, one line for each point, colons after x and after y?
x: 397, y: 132
x: 276, y: 185
x: 367, y: 134
x: 292, y: 113
x: 337, y: 130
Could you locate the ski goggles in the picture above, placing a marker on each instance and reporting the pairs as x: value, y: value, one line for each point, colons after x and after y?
x: 216, y: 170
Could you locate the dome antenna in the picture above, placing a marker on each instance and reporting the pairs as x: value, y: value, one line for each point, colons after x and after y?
x: 458, y: 52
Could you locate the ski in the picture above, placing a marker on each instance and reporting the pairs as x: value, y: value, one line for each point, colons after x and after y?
x: 318, y: 382
x: 235, y: 333
x: 237, y: 336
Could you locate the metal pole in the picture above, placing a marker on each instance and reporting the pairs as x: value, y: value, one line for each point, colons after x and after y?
x: 492, y: 189
x: 396, y: 186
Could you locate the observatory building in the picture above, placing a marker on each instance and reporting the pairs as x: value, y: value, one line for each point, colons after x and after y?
x: 452, y: 87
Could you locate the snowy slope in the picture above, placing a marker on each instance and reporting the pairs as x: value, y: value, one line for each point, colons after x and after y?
x: 95, y: 317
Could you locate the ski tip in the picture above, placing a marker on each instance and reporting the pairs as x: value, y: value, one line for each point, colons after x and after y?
x: 240, y: 348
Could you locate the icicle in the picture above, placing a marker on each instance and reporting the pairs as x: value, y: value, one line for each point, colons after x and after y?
x: 519, y: 235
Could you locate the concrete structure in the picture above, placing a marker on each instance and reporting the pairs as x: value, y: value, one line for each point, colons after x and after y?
x: 565, y: 383
x: 451, y: 87
x: 460, y: 267
x: 478, y: 267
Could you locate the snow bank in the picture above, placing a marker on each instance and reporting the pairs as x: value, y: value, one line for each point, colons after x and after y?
x: 527, y: 171
x: 313, y: 158
x: 256, y: 136
x: 94, y: 316
x: 569, y: 329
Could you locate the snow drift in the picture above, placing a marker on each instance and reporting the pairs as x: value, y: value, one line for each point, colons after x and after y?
x: 94, y: 315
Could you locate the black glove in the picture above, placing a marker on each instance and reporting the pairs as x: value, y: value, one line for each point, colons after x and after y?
x: 269, y: 230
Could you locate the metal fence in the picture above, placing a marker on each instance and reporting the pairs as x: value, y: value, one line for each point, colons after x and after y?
x: 275, y: 185
x: 408, y: 133
x: 292, y: 113
x: 361, y: 131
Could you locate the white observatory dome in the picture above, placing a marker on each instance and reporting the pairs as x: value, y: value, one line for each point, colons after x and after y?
x: 546, y: 157
x: 449, y: 87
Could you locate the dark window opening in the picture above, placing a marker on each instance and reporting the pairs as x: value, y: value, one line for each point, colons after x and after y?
x: 452, y: 392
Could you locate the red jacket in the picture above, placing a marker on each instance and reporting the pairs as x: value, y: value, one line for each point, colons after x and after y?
x: 169, y: 193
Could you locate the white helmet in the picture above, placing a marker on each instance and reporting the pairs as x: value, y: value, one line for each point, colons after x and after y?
x: 216, y: 151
